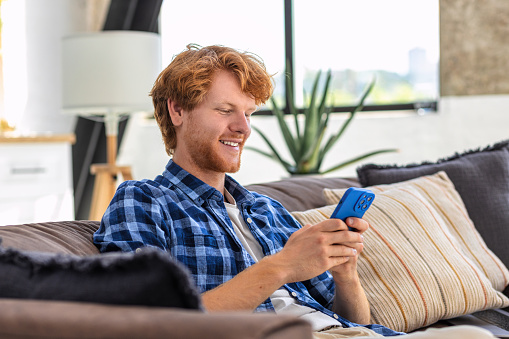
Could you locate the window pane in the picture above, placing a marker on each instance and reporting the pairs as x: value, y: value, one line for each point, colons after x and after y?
x: 395, y: 41
x: 256, y: 27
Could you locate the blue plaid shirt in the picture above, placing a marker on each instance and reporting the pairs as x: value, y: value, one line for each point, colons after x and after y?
x: 181, y: 214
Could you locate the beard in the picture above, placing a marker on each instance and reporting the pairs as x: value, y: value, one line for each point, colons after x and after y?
x: 208, y: 156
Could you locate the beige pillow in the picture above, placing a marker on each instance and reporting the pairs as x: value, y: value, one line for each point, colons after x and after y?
x: 423, y: 259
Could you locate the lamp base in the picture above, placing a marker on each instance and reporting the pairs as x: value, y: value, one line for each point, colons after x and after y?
x: 104, y: 186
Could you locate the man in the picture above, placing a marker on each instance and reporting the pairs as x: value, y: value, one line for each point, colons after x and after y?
x: 244, y: 250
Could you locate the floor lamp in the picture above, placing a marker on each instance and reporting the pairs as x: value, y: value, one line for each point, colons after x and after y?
x: 108, y: 75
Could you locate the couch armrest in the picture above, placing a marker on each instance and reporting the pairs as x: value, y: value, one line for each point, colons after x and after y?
x: 21, y: 318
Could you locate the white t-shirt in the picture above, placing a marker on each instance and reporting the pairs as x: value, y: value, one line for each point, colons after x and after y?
x: 281, y: 299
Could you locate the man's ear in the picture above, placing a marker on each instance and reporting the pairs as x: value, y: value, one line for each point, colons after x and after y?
x: 176, y: 113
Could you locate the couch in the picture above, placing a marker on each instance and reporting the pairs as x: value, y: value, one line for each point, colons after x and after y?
x: 47, y: 317
x: 97, y: 308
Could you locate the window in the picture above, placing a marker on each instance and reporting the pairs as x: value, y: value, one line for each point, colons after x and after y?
x: 394, y: 41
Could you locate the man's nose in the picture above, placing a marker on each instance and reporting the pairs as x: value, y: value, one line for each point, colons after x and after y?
x: 242, y: 123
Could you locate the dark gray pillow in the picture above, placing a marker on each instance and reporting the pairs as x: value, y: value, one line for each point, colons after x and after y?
x: 480, y: 176
x: 149, y: 277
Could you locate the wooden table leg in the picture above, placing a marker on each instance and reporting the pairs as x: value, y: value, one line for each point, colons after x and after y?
x: 105, y: 186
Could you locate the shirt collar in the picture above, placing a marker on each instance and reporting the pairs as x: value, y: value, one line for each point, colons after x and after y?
x: 199, y: 191
x: 239, y: 193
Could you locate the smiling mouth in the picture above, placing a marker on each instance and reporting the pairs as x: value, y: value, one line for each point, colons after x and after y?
x: 229, y: 143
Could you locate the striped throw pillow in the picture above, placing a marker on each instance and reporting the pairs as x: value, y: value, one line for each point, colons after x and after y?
x: 423, y: 260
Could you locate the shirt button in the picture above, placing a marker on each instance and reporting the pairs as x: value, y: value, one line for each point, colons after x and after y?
x: 294, y: 294
x: 249, y: 220
x: 336, y: 316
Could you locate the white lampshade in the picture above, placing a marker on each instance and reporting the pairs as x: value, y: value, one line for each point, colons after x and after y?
x: 109, y: 73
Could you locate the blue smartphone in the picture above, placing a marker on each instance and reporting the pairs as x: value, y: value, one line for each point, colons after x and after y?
x: 354, y: 203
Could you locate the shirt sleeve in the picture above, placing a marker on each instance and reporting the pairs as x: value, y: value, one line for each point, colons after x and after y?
x: 133, y: 219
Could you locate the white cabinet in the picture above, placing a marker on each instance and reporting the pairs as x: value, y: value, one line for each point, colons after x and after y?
x: 36, y: 179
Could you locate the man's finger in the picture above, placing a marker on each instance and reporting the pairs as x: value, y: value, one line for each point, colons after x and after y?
x: 359, y: 225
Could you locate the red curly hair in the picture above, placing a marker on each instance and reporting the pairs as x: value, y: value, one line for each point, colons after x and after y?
x: 188, y: 78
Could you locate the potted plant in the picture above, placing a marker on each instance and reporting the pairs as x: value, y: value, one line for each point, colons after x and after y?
x: 306, y: 143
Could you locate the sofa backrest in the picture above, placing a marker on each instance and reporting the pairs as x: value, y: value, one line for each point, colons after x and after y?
x: 301, y: 193
x: 70, y: 237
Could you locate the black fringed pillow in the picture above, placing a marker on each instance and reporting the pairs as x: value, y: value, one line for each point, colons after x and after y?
x: 149, y: 277
x: 480, y: 176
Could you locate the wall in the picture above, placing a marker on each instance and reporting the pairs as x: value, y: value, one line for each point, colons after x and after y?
x: 474, y: 40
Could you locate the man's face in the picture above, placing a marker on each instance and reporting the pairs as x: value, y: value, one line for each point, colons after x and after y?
x: 213, y: 134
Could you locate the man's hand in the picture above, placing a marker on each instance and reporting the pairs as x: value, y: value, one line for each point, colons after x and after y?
x: 347, y: 271
x: 328, y: 245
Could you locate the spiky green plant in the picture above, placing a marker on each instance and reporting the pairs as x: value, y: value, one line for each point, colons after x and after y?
x: 306, y: 142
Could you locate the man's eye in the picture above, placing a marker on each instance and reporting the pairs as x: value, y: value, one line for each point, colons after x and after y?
x: 225, y: 111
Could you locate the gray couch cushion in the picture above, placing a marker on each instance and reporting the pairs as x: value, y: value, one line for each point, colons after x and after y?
x: 301, y: 193
x: 480, y: 176
x: 149, y: 277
